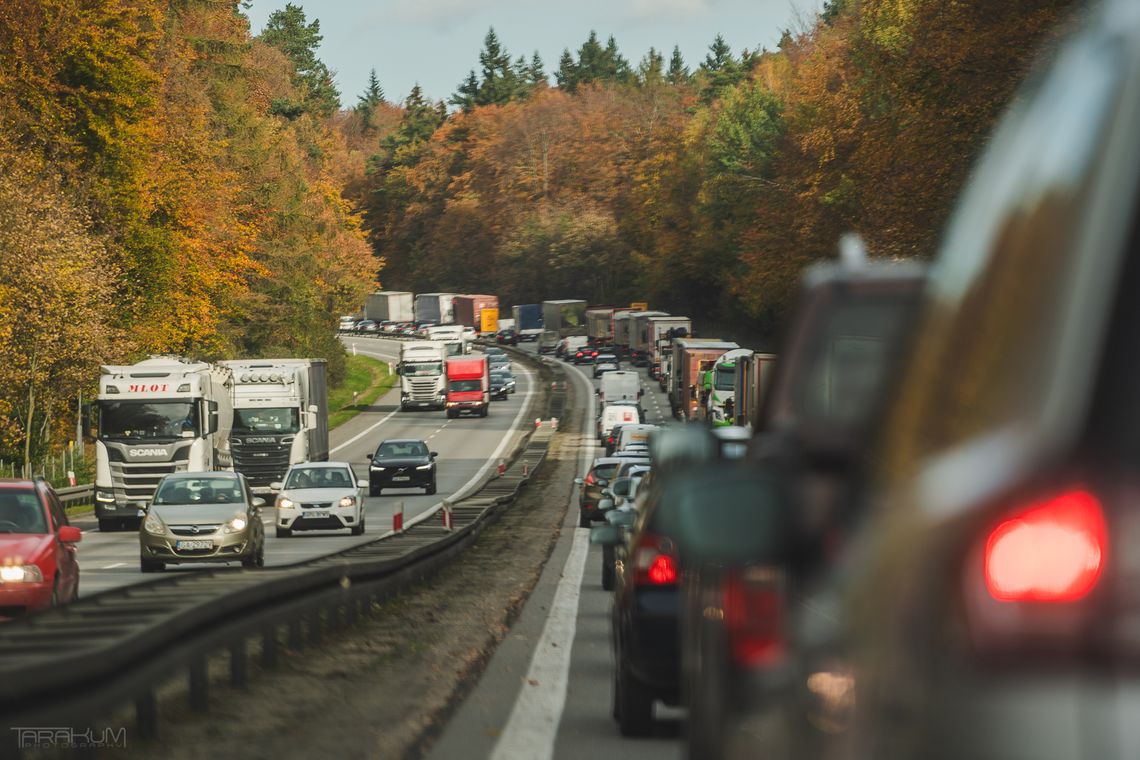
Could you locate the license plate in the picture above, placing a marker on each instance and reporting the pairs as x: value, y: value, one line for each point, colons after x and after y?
x: 191, y: 545
x: 402, y: 477
x: 316, y: 513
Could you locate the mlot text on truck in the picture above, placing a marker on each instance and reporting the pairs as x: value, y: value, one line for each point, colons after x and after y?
x: 435, y: 308
x: 718, y: 388
x: 528, y: 320
x: 164, y: 414
x: 566, y: 317
x: 281, y: 417
x: 422, y: 381
x: 691, y: 356
x: 390, y: 306
x: 468, y: 386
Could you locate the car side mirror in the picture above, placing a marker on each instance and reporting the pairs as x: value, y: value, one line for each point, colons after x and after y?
x: 622, y: 518
x: 277, y: 486
x: 578, y: 481
x: 258, y: 501
x: 434, y: 454
x: 362, y: 484
x: 69, y: 534
x: 605, y: 504
x: 605, y: 535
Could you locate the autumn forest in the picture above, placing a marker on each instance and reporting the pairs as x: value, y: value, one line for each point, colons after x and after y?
x: 171, y: 183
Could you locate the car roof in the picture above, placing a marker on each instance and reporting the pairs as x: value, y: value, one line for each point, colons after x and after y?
x: 321, y: 465
x: 605, y: 460
x: 403, y: 440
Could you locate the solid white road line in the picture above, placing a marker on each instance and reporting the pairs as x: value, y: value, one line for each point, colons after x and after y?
x: 112, y: 567
x: 533, y: 726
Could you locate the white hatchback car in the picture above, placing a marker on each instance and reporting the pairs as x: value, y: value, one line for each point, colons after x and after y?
x: 320, y: 496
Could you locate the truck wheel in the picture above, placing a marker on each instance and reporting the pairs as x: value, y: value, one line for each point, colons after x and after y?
x: 483, y: 412
x: 583, y: 519
x: 106, y: 526
x: 607, y: 568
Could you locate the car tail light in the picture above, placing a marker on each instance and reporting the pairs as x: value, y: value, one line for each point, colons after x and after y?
x: 590, y: 479
x: 1053, y: 551
x: 753, y: 616
x: 655, y: 561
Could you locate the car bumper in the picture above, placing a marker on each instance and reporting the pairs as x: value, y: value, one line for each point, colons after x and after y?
x: 16, y: 598
x: 332, y: 518
x: 224, y: 547
x: 414, y: 479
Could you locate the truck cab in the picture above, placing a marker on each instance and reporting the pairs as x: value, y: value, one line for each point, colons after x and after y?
x: 719, y: 399
x: 451, y: 336
x: 468, y: 386
x: 422, y: 381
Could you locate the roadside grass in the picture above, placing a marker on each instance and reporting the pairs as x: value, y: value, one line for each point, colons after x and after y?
x: 368, y: 378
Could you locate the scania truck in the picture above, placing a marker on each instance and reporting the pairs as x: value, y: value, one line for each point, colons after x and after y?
x: 451, y: 336
x: 718, y: 388
x: 422, y: 381
x: 164, y: 414
x: 281, y: 417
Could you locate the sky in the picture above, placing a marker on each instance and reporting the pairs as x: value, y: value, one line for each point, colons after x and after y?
x: 436, y: 42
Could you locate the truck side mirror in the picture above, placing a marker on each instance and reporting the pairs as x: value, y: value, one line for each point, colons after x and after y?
x: 212, y: 417
x: 85, y: 418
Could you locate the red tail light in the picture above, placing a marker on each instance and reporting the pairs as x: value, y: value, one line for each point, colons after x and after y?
x: 753, y: 616
x: 590, y: 479
x: 655, y: 561
x: 1051, y: 552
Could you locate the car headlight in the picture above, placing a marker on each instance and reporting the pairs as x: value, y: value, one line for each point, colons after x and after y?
x: 107, y: 497
x: 347, y: 501
x: 153, y: 524
x: 284, y: 502
x: 424, y: 467
x: 21, y: 574
x: 236, y: 525
x: 376, y: 468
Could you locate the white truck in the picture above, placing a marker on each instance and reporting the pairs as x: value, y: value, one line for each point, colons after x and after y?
x: 164, y: 414
x: 423, y: 383
x: 619, y: 386
x: 389, y: 306
x: 435, y: 308
x: 281, y: 417
x: 720, y: 388
x: 451, y: 336
x: 660, y: 332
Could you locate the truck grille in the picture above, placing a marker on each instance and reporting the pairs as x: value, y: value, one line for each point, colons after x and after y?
x: 261, y: 463
x: 138, y: 481
x: 424, y: 390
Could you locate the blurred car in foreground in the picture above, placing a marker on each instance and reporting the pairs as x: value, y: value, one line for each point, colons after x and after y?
x: 992, y: 609
x: 319, y: 496
x: 37, y: 546
x: 746, y: 556
x: 202, y: 517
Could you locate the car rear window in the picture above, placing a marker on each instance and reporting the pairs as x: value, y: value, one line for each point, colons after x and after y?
x: 605, y: 470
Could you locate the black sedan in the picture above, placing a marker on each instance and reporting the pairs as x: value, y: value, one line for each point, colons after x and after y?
x: 402, y: 463
x: 502, y: 384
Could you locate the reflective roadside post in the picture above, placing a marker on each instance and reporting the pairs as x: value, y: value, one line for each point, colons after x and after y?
x: 398, y: 518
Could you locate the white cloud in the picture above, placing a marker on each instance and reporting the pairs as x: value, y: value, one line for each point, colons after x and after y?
x: 672, y: 9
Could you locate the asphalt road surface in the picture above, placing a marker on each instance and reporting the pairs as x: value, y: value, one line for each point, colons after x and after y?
x: 467, y: 446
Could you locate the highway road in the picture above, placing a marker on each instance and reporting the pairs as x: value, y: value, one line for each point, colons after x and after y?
x: 467, y: 446
x: 548, y: 690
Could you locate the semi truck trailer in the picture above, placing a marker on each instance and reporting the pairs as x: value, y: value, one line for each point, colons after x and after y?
x: 528, y: 320
x: 691, y: 356
x: 435, y: 308
x: 566, y: 317
x: 469, y: 309
x: 390, y: 306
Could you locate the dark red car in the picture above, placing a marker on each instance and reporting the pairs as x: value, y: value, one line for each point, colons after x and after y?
x: 38, y: 566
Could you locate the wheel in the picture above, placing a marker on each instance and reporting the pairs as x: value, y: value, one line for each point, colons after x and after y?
x: 257, y: 560
x: 607, y: 568
x: 450, y: 414
x: 106, y: 525
x: 149, y: 566
x: 483, y: 412
x: 284, y: 532
x: 634, y: 703
x: 358, y: 529
x: 583, y: 519
x: 374, y: 490
x: 430, y: 489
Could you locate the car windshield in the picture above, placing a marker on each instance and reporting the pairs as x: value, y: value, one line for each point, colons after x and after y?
x: 280, y: 420
x: 465, y: 385
x: 21, y: 512
x: 199, y: 491
x: 404, y: 448
x: 149, y: 420
x: 319, y: 477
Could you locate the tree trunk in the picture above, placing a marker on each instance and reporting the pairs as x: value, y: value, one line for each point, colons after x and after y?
x: 31, y: 413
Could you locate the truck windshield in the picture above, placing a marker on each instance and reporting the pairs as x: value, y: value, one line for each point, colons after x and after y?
x: 423, y: 368
x: 455, y: 349
x: 280, y: 420
x: 151, y: 420
x: 465, y: 385
x: 725, y: 378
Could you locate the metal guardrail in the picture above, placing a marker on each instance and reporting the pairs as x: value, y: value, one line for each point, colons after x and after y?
x: 80, y: 662
x: 76, y: 495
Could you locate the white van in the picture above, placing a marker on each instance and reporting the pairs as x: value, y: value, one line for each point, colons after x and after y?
x: 633, y: 434
x: 616, y: 414
x: 616, y: 386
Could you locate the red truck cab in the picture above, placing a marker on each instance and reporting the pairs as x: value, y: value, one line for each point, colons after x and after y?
x: 468, y: 386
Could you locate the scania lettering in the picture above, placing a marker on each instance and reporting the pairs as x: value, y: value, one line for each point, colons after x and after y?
x: 281, y: 417
x: 422, y: 381
x: 165, y: 414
